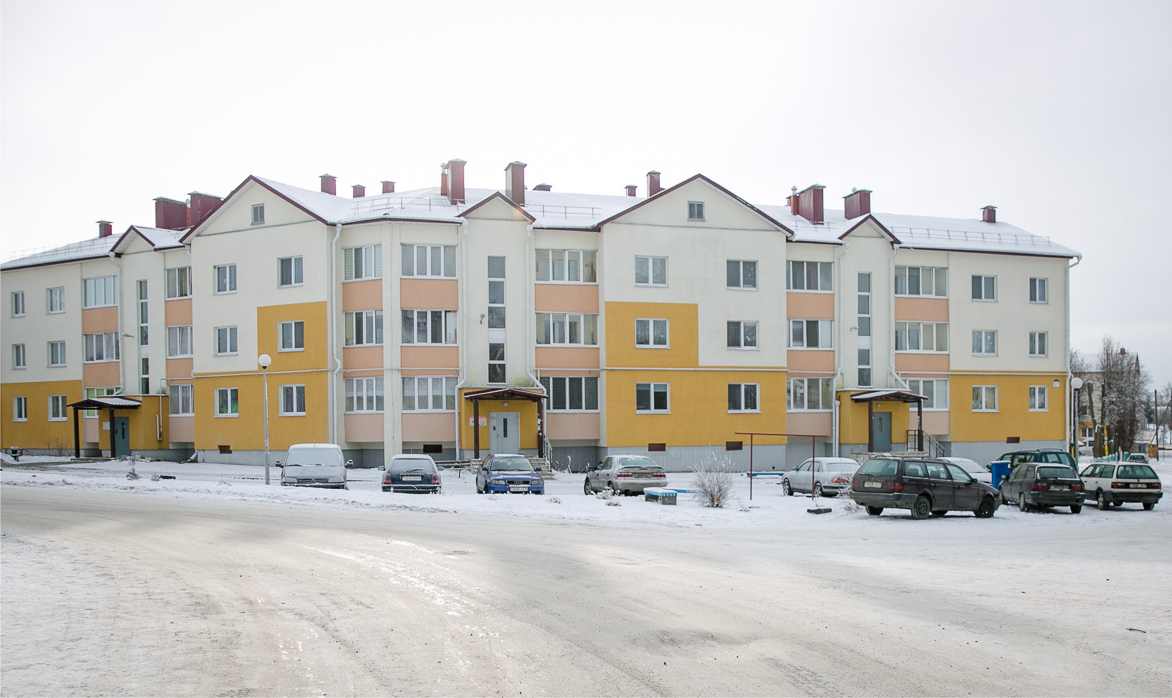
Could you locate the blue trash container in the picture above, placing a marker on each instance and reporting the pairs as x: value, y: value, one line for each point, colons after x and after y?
x: 1000, y: 470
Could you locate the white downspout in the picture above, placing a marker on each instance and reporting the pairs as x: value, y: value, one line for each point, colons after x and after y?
x: 330, y: 332
x: 900, y: 382
x: 841, y: 343
x: 530, y: 302
x: 1077, y: 261
x: 118, y: 285
x: 463, y: 339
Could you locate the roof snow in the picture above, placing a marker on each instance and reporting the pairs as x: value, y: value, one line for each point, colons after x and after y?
x: 86, y: 249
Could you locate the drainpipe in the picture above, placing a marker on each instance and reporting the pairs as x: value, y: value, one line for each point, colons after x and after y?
x: 891, y: 310
x: 330, y: 332
x: 1077, y: 261
x: 839, y: 348
x: 118, y: 285
x: 530, y: 303
x: 463, y: 339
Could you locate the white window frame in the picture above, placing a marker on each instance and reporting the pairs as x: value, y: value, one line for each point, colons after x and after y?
x: 981, y: 395
x: 562, y: 392
x: 740, y: 265
x: 1039, y: 290
x: 99, y: 392
x: 921, y: 331
x: 99, y: 292
x: 414, y: 321
x: 364, y: 395
x: 937, y: 397
x: 292, y: 336
x: 987, y: 290
x: 364, y: 328
x: 443, y: 256
x: 824, y: 275
x: 695, y: 210
x: 648, y: 327
x: 434, y: 389
x: 226, y: 344
x: 18, y: 304
x: 224, y: 276
x: 647, y: 267
x: 178, y: 283
x: 179, y: 342
x: 20, y: 408
x: 825, y: 334
x: 143, y: 313
x: 740, y: 393
x: 55, y: 300
x: 58, y: 408
x: 294, y: 396
x: 107, y: 344
x: 1039, y: 399
x: 1039, y: 344
x: 227, y: 402
x: 906, y: 277
x: 19, y: 357
x: 984, y: 342
x: 653, y: 389
x: 296, y: 268
x: 741, y: 335
x: 496, y: 363
x: 552, y: 326
x: 258, y: 214
x: 56, y: 350
x: 801, y: 387
x: 362, y: 262
x: 182, y: 400
x: 567, y: 266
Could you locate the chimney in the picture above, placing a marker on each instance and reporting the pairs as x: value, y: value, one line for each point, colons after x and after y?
x: 388, y: 187
x: 170, y: 214
x: 515, y: 182
x: 543, y: 187
x: 202, y: 206
x: 444, y: 179
x: 857, y: 203
x: 329, y: 184
x: 631, y: 188
x: 359, y: 191
x: 653, y: 187
x: 456, y: 180
x: 793, y: 200
x: 105, y: 229
x: 810, y: 204
x: 989, y: 214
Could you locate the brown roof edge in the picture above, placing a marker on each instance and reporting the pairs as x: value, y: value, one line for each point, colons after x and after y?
x: 890, y: 235
x: 502, y: 197
x: 250, y: 178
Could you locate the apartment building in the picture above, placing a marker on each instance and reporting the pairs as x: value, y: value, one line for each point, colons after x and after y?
x: 459, y: 321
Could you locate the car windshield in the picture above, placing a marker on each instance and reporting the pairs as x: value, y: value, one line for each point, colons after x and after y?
x: 314, y: 456
x: 1137, y: 471
x: 879, y: 466
x: 513, y: 464
x: 969, y: 466
x: 641, y: 461
x: 1057, y: 471
x: 406, y: 465
x: 1055, y: 457
x: 838, y: 467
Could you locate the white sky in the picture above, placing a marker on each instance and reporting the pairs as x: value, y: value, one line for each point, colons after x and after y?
x: 1057, y: 113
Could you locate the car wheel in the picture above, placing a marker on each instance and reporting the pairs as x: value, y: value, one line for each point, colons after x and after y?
x: 874, y: 511
x: 922, y: 508
x: 586, y: 488
x: 1022, y: 503
x: 817, y: 489
x: 1148, y: 506
x: 1101, y: 501
x: 985, y: 511
x: 1075, y: 508
x: 785, y: 487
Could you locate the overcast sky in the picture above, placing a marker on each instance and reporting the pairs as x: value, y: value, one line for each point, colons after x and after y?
x: 1058, y: 113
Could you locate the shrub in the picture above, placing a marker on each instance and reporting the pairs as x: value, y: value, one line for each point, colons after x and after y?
x: 714, y: 481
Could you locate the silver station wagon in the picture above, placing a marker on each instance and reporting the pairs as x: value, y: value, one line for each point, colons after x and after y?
x: 624, y: 475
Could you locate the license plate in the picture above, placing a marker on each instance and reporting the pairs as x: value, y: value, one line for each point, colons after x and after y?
x: 874, y: 485
x: 1062, y: 488
x: 1139, y: 485
x: 411, y: 478
x: 519, y: 488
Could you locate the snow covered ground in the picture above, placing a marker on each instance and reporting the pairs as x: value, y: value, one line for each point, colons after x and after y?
x: 214, y: 583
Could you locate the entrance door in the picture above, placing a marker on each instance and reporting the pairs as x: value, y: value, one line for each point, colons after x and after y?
x: 121, y: 437
x: 504, y: 432
x: 881, y: 431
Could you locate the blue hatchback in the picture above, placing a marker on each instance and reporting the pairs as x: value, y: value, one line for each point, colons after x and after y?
x: 508, y: 472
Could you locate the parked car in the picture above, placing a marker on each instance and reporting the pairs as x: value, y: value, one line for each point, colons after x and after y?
x: 1036, y: 485
x: 831, y: 476
x: 925, y: 486
x: 1137, y: 458
x: 508, y: 472
x: 624, y: 474
x: 1112, y: 484
x: 412, y: 472
x: 979, y: 472
x: 1038, y: 455
x: 314, y: 465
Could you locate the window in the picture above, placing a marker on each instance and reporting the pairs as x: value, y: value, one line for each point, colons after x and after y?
x: 143, y: 317
x: 182, y: 402
x: 291, y: 336
x: 429, y: 393
x: 740, y: 274
x: 102, y: 346
x: 984, y: 288
x: 364, y: 394
x: 227, y: 404
x: 648, y: 332
x: 58, y: 408
x: 438, y: 261
x: 864, y: 301
x: 568, y: 266
x: 363, y: 262
x: 811, y: 334
x: 921, y: 336
x: 864, y: 367
x: 364, y: 328
x: 57, y: 353
x: 258, y: 214
x: 921, y: 281
x: 225, y: 340
x: 429, y: 327
x: 809, y: 394
x: 742, y: 397
x: 496, y: 293
x: 226, y: 278
x: 651, y: 397
x: 695, y: 210
x: 741, y: 334
x: 292, y: 400
x: 99, y: 292
x: 571, y: 393
x: 144, y: 380
x: 178, y: 341
x: 1038, y: 291
x: 934, y: 390
x: 496, y: 362
x: 984, y: 398
x: 18, y: 304
x: 289, y: 271
x: 178, y: 283
x: 18, y: 357
x: 20, y: 409
x: 809, y: 276
x: 56, y: 300
x: 568, y: 329
x: 99, y: 392
x: 1038, y: 398
x: 651, y: 271
x: 1038, y: 343
x: 984, y: 342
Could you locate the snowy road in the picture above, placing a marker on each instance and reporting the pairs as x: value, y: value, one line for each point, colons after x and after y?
x: 140, y: 593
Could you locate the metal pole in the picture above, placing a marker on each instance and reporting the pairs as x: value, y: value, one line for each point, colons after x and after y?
x: 813, y: 466
x: 750, y: 467
x: 264, y: 372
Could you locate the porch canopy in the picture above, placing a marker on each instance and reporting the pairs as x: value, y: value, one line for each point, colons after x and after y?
x: 100, y: 403
x: 873, y: 396
x: 506, y: 394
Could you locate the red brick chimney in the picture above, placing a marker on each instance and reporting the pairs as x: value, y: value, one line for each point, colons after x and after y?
x: 456, y: 180
x: 105, y: 229
x: 329, y: 184
x: 170, y: 214
x: 653, y: 187
x: 857, y: 203
x: 444, y: 179
x: 359, y: 191
x: 515, y: 182
x: 989, y: 214
x: 810, y: 204
x: 543, y: 187
x: 388, y: 187
x: 631, y: 189
x: 793, y: 200
x: 202, y: 206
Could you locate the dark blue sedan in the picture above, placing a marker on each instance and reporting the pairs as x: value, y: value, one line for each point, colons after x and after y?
x: 508, y: 472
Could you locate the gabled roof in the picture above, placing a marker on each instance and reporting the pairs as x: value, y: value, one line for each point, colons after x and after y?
x: 157, y: 238
x: 503, y: 199
x: 118, y: 403
x: 856, y: 223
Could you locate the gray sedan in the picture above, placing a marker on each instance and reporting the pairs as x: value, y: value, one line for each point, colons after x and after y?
x: 831, y: 476
x: 624, y: 475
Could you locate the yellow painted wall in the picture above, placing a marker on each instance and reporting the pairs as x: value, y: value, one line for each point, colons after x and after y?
x: 526, y: 408
x: 1013, y: 416
x: 682, y: 330
x: 853, y: 426
x: 38, y: 431
x: 316, y: 353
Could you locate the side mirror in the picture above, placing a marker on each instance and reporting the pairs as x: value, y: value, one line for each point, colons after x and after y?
x: 349, y: 463
x: 278, y: 464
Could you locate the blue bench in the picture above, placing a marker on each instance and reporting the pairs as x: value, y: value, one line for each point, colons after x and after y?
x: 663, y: 495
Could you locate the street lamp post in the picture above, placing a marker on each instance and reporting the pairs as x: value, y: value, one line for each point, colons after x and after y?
x: 1076, y: 383
x: 265, y: 360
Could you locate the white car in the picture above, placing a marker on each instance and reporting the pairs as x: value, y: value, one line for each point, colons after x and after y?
x: 979, y: 472
x: 315, y: 465
x: 831, y: 476
x: 624, y: 475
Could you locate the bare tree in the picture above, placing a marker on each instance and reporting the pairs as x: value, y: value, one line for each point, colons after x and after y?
x: 1122, y: 395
